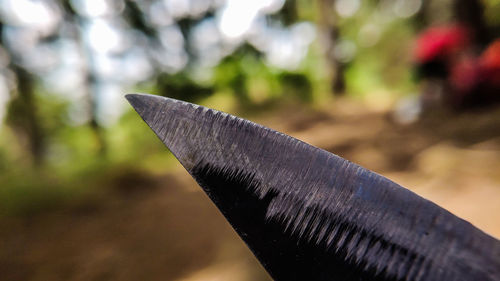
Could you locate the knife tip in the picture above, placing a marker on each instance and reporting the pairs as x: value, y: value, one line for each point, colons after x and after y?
x: 132, y: 97
x: 140, y: 102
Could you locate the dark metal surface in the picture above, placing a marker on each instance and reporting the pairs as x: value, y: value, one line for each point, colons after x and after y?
x: 308, y: 214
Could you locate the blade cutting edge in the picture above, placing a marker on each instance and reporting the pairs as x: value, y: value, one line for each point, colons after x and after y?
x: 308, y: 214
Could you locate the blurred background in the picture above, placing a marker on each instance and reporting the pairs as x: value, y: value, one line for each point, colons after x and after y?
x: 407, y: 88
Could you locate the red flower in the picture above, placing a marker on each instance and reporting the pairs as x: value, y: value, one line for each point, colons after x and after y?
x: 465, y: 75
x: 490, y: 63
x: 440, y: 42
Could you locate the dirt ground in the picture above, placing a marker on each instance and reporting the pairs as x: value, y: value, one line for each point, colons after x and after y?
x: 165, y: 227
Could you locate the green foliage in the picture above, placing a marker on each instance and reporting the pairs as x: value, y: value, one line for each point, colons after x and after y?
x: 297, y: 85
x: 27, y: 194
x: 241, y: 81
x: 384, y: 64
x: 492, y: 10
x: 254, y: 83
x: 234, y: 72
x: 180, y: 86
x: 4, y: 160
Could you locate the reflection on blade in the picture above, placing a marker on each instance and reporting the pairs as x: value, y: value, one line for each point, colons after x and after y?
x: 308, y: 214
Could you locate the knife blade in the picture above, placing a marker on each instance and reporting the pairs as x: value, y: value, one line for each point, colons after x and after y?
x: 308, y: 214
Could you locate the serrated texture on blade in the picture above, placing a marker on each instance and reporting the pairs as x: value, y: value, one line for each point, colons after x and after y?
x: 308, y: 214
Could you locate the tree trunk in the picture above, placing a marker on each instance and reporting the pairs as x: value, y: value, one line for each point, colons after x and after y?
x: 93, y: 123
x: 329, y: 34
x: 471, y: 13
x: 23, y: 115
x: 90, y: 80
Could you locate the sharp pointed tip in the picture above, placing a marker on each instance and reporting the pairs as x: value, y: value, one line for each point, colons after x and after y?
x: 131, y: 96
x: 134, y: 96
x: 144, y: 104
x: 138, y: 101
